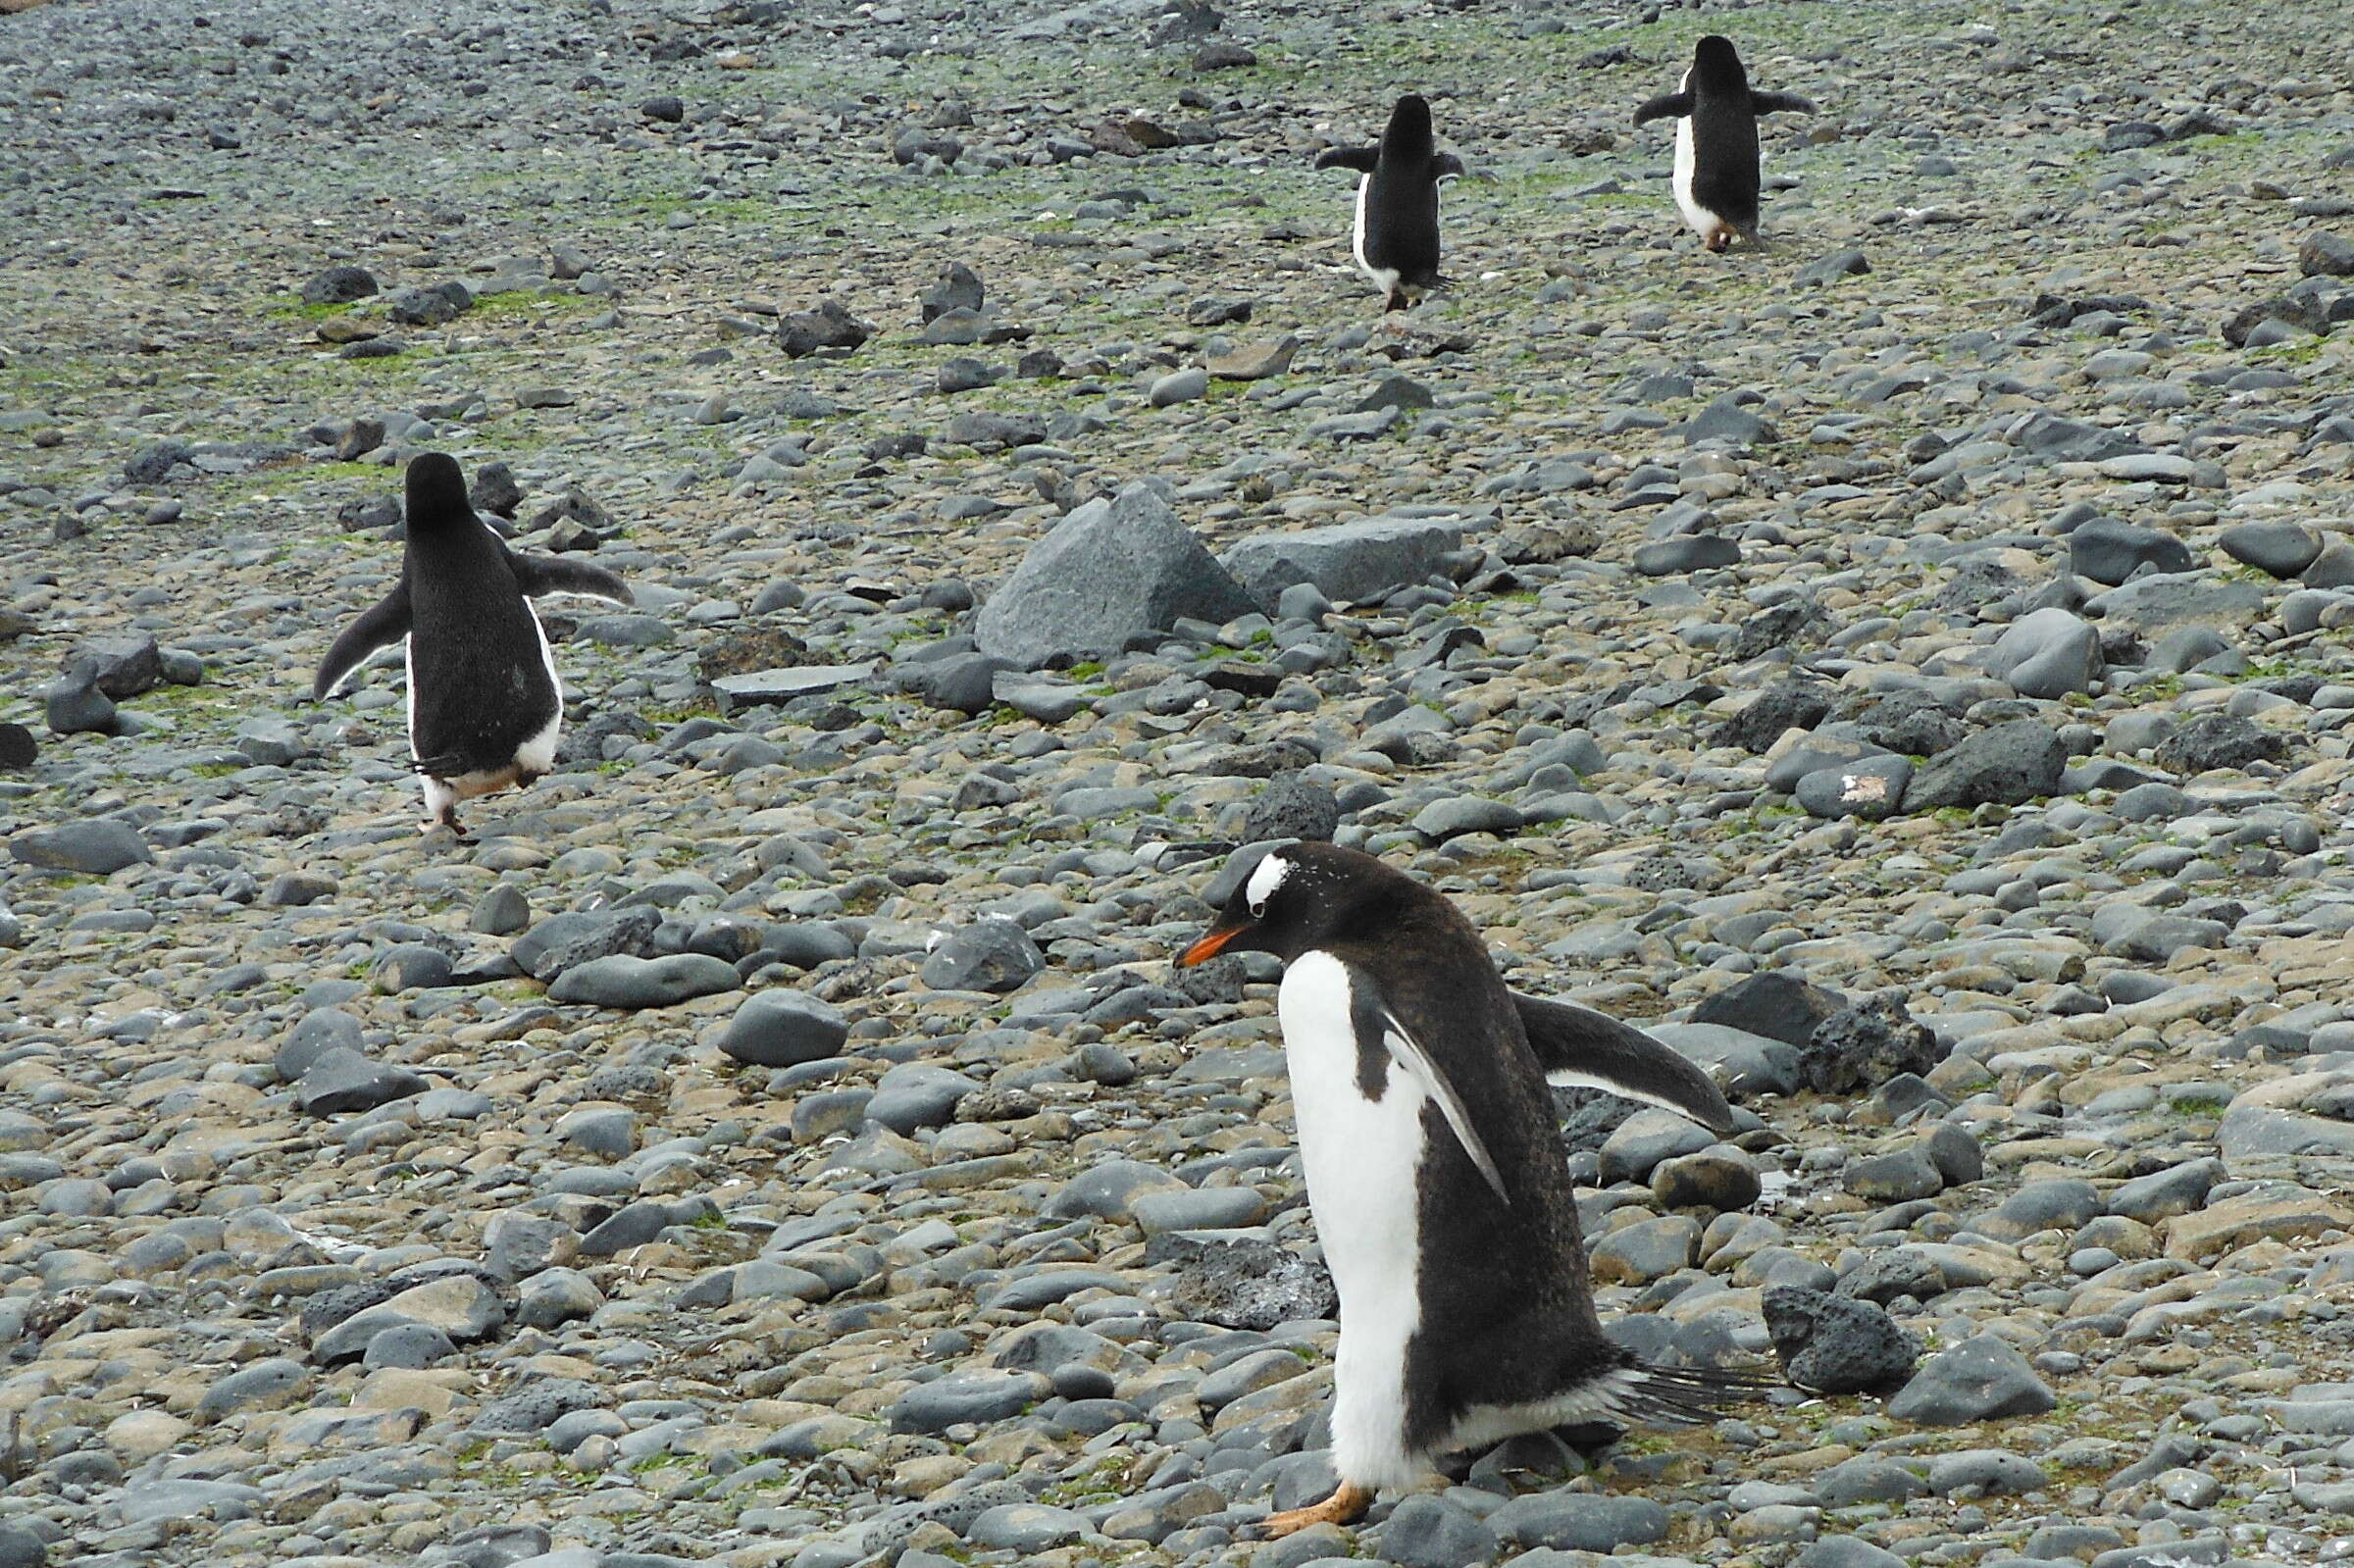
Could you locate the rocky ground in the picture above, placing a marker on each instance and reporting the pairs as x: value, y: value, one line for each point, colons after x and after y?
x: 1908, y: 667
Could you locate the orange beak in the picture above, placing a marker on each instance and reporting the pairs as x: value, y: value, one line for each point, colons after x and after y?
x: 1214, y: 942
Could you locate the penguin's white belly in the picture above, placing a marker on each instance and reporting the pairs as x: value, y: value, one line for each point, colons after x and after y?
x: 1363, y: 1161
x: 537, y: 753
x: 1704, y: 223
x: 1386, y: 278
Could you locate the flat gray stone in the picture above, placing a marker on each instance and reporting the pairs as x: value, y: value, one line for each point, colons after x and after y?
x: 97, y: 847
x: 975, y: 1397
x: 627, y: 983
x: 1572, y: 1520
x: 1353, y: 561
x: 343, y: 1080
x: 775, y: 687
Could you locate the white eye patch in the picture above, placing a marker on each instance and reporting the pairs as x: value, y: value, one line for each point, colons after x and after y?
x: 1267, y: 876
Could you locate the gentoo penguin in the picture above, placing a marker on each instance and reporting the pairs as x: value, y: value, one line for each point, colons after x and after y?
x: 1397, y: 238
x: 1716, y: 142
x: 483, y: 702
x: 1436, y: 1176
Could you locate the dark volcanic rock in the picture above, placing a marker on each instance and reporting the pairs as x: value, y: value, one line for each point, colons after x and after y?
x: 95, y: 847
x: 567, y: 941
x: 2322, y: 254
x: 1863, y: 1046
x: 1909, y: 724
x: 1785, y: 705
x: 154, y: 464
x: 73, y: 705
x: 2009, y: 764
x: 1686, y: 552
x: 2219, y: 741
x: 1777, y: 1004
x: 828, y: 323
x: 494, y: 490
x: 343, y: 1080
x: 1290, y: 807
x: 1835, y: 1344
x: 959, y: 288
x: 338, y: 285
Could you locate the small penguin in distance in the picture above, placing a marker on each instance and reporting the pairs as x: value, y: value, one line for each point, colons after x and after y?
x: 1436, y: 1175
x: 485, y: 705
x: 1397, y: 236
x: 1716, y: 142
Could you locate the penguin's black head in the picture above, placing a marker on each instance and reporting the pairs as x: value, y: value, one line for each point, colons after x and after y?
x: 437, y: 495
x: 1409, y: 136
x: 1298, y: 897
x: 1716, y: 68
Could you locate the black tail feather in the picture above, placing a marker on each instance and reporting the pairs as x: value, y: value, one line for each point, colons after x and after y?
x: 1655, y: 1395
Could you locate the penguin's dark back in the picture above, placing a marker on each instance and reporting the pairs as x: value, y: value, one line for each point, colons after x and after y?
x: 1435, y: 971
x: 1408, y: 136
x: 1401, y: 222
x: 1724, y: 155
x: 1507, y: 1312
x: 479, y: 683
x: 1718, y: 72
x: 1401, y: 202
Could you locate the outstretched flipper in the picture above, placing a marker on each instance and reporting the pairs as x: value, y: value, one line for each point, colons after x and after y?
x: 1580, y: 1049
x: 380, y: 626
x: 537, y: 574
x: 1771, y: 103
x: 1668, y: 106
x: 1361, y: 159
x: 1373, y: 1021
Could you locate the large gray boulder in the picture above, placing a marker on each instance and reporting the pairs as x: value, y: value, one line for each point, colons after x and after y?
x: 1361, y: 560
x: 1110, y: 571
x: 2047, y: 653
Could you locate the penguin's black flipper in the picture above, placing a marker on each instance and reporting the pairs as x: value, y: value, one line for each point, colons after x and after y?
x: 1380, y: 1032
x: 536, y: 575
x: 1668, y: 106
x: 380, y: 626
x: 1445, y: 166
x: 1768, y: 103
x: 1361, y: 159
x: 1580, y: 1049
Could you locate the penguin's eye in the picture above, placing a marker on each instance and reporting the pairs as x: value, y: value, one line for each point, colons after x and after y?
x: 1258, y: 907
